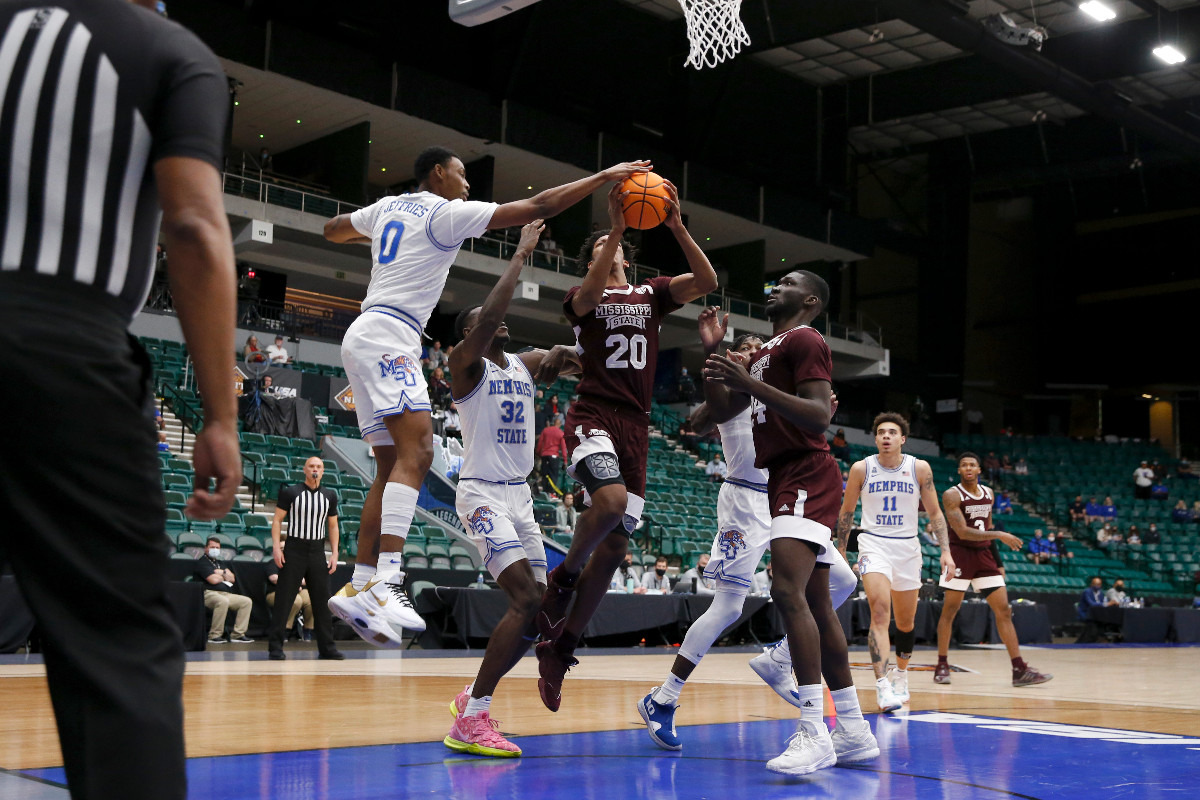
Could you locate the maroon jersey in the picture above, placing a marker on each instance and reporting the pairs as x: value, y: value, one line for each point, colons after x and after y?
x: 617, y: 341
x: 791, y: 358
x: 977, y: 509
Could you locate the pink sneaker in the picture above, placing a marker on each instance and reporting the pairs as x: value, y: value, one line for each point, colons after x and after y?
x: 459, y: 704
x: 481, y: 736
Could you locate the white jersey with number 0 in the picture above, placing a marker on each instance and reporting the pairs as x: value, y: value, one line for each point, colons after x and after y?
x: 497, y: 424
x: 890, y: 498
x: 414, y: 241
x: 737, y: 442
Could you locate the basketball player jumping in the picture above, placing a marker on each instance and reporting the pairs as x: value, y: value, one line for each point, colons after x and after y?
x: 969, y: 512
x: 414, y: 241
x: 893, y: 486
x: 494, y: 393
x: 744, y: 533
x: 788, y: 389
x: 616, y: 327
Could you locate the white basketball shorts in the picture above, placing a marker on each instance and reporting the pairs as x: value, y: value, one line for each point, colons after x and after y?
x: 743, y: 535
x: 898, y: 560
x: 499, y: 519
x: 381, y: 354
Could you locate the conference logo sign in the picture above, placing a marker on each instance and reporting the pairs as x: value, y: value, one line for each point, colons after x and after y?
x: 345, y: 398
x: 1058, y: 729
x: 239, y: 381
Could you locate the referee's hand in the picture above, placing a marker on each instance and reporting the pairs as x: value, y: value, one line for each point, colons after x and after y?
x: 215, y: 455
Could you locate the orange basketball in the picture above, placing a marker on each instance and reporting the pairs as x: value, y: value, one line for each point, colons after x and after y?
x: 646, y: 206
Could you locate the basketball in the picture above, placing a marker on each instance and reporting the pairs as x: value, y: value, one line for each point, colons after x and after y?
x: 646, y: 206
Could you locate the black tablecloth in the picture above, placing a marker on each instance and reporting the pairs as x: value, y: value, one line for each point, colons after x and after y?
x: 973, y: 624
x: 1137, y: 624
x: 1187, y: 624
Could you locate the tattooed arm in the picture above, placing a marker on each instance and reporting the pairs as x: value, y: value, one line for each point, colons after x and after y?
x: 937, y: 522
x: 854, y: 483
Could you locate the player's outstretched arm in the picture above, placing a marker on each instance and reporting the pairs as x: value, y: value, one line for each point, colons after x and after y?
x: 854, y: 482
x: 721, y: 403
x: 702, y: 421
x: 466, y: 360
x: 702, y: 279
x: 204, y: 286
x: 340, y: 231
x: 552, y: 202
x: 591, y: 292
x: 547, y: 365
x: 937, y: 522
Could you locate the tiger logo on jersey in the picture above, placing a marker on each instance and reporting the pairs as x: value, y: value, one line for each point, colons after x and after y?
x: 480, y: 520
x: 730, y: 542
x: 401, y: 368
x: 863, y: 560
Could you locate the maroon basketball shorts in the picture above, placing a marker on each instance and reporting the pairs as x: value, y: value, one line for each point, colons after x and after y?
x: 608, y: 431
x: 805, y: 493
x: 974, y: 568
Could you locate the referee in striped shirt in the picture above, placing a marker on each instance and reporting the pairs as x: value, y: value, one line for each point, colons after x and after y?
x: 112, y: 120
x: 312, y: 517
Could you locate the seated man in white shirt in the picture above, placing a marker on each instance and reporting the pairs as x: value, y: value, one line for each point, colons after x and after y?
x: 657, y: 582
x: 717, y: 469
x: 762, y: 582
x: 277, y: 352
x: 626, y: 578
x: 702, y: 585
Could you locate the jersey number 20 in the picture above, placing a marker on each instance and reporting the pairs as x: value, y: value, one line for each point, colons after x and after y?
x: 635, y: 346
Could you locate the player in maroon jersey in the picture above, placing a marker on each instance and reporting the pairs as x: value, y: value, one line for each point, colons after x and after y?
x: 969, y: 513
x: 788, y: 387
x: 607, y: 431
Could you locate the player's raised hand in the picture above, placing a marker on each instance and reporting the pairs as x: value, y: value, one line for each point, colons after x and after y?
x: 530, y: 234
x: 552, y: 364
x: 1010, y: 540
x: 712, y: 328
x: 620, y: 172
x: 616, y: 212
x: 673, y: 220
x: 725, y: 369
x: 833, y: 404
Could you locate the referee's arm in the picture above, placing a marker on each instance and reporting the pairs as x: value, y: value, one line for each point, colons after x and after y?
x: 333, y: 544
x: 276, y: 543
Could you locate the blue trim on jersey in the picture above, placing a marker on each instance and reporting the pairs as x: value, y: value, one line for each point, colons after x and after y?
x: 372, y: 428
x: 404, y: 405
x: 757, y: 487
x: 719, y: 574
x: 863, y: 532
x: 513, y: 482
x: 429, y: 231
x: 478, y: 386
x: 495, y: 551
x: 903, y: 462
x: 408, y: 319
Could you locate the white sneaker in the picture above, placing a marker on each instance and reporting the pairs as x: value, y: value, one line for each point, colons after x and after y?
x: 378, y: 611
x: 777, y: 674
x: 853, y: 741
x: 809, y: 749
x: 900, y: 685
x: 884, y: 696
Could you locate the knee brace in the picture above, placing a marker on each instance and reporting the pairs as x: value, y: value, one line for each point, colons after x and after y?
x: 904, y: 643
x: 596, y: 470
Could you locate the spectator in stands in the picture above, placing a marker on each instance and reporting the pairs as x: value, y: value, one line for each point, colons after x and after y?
x: 717, y: 469
x: 761, y: 585
x: 163, y: 447
x: 277, y: 352
x: 1180, y: 513
x: 838, y: 447
x: 1108, y: 510
x: 687, y: 434
x: 451, y: 423
x: 1094, y: 510
x: 1116, y: 596
x: 923, y: 525
x: 539, y: 413
x: 991, y: 467
x: 1037, y: 548
x: 268, y: 386
x: 265, y: 161
x: 657, y: 581
x: 1160, y: 490
x: 552, y: 410
x: 1160, y: 471
x: 548, y: 244
x: 302, y: 601
x: 1056, y: 548
x: 251, y: 347
x: 1003, y: 504
x: 625, y: 579
x: 159, y: 422
x: 1078, y: 510
x: 1006, y: 465
x: 221, y: 594
x: 694, y: 581
x: 1196, y: 511
x: 1143, y: 481
x: 1152, y: 535
x: 437, y: 356
x: 1134, y: 536
x: 1022, y: 467
x: 551, y: 449
x: 1183, y: 471
x: 687, y: 387
x: 1092, y: 596
x: 1105, y: 535
x: 566, y: 515
x: 439, y: 388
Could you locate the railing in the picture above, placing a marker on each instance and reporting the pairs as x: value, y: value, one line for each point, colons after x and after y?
x: 278, y: 192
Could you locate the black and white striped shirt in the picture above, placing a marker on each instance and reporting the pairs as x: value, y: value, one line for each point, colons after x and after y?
x: 92, y: 94
x: 308, y: 510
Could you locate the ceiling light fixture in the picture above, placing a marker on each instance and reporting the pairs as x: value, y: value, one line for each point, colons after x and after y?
x: 1097, y: 11
x: 1169, y: 54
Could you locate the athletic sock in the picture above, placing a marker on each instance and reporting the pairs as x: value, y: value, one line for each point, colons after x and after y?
x: 845, y: 702
x: 389, y: 562
x: 362, y: 576
x: 812, y: 703
x: 901, y: 673
x: 1019, y: 665
x: 399, y: 506
x: 477, y: 706
x: 883, y: 682
x: 668, y: 693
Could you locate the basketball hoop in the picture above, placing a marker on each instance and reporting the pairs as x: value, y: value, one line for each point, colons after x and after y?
x: 715, y: 31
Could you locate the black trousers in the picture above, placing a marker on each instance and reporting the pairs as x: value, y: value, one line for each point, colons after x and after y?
x: 80, y: 483
x: 303, y: 559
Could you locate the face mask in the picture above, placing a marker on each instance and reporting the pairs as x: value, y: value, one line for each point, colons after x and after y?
x: 214, y: 552
x: 660, y: 572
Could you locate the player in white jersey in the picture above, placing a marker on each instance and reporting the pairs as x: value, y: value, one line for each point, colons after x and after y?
x: 893, y: 486
x: 743, y: 535
x: 495, y: 396
x: 414, y: 239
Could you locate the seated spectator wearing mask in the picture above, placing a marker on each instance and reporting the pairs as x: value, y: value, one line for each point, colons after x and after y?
x: 657, y: 581
x: 1116, y: 595
x: 694, y: 581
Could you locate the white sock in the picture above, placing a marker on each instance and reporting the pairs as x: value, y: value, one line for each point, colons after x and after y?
x: 477, y: 706
x: 782, y: 652
x: 668, y: 693
x: 389, y: 562
x: 845, y: 702
x: 812, y: 703
x: 399, y: 505
x: 362, y: 576
x: 901, y: 673
x: 883, y: 683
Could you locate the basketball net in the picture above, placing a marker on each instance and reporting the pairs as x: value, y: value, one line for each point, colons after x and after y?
x: 715, y: 31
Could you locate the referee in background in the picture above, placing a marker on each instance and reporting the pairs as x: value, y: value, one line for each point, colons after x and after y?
x: 112, y: 116
x: 312, y: 516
